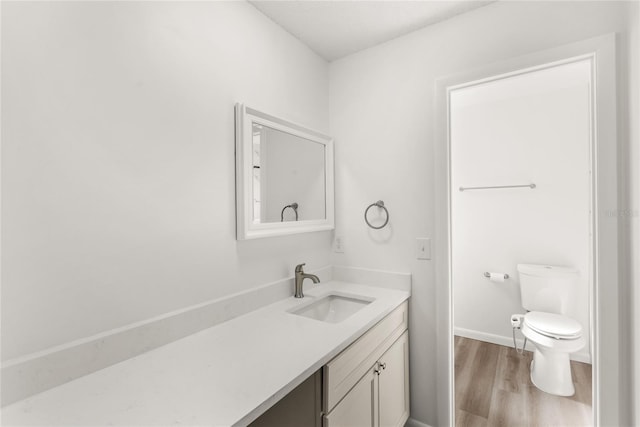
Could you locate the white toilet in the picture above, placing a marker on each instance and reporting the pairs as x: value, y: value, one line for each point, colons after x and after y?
x: 545, y: 292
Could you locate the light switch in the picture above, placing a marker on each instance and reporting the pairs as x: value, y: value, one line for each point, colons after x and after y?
x: 423, y: 248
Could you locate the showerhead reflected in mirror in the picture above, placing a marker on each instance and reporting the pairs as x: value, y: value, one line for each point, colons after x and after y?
x: 288, y: 176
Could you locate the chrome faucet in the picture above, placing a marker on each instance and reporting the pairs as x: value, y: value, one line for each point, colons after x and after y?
x: 300, y: 276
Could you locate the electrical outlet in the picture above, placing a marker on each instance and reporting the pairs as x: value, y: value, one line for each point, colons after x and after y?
x: 338, y: 244
x: 423, y: 248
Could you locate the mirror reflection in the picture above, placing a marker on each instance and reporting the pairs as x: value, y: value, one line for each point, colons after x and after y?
x: 288, y: 182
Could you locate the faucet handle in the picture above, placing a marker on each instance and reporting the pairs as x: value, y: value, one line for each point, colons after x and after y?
x: 299, y: 267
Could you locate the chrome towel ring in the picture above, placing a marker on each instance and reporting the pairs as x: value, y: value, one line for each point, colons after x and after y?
x: 379, y: 204
x: 293, y: 206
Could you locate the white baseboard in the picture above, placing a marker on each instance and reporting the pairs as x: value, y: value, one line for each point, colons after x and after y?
x: 34, y: 373
x: 508, y: 342
x: 415, y: 423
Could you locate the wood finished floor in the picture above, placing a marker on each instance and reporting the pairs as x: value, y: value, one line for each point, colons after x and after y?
x: 493, y: 389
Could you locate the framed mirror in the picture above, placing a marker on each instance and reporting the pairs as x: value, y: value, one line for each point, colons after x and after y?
x: 284, y: 177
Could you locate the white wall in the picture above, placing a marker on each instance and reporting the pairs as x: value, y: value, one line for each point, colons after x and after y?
x: 530, y: 128
x: 383, y: 118
x: 118, y: 160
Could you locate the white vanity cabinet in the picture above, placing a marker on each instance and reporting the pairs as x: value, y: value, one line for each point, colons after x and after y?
x: 359, y: 406
x: 393, y: 384
x: 368, y: 383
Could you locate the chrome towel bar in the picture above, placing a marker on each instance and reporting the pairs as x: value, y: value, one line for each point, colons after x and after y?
x: 532, y: 186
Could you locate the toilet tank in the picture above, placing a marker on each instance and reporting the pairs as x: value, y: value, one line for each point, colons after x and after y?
x: 546, y: 287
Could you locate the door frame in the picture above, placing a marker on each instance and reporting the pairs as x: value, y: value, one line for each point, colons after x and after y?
x: 605, y: 337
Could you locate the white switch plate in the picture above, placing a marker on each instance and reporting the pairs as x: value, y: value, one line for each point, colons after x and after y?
x: 423, y: 248
x: 338, y: 244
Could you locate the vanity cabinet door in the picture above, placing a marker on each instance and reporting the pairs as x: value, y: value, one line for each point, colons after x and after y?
x: 359, y: 407
x: 394, y: 384
x: 342, y: 373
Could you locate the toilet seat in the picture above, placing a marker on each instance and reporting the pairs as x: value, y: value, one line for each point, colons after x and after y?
x: 553, y: 325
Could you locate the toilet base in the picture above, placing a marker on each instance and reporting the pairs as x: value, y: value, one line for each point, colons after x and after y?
x: 551, y: 372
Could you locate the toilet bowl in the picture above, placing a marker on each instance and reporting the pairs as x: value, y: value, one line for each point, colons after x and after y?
x: 554, y: 336
x: 545, y: 294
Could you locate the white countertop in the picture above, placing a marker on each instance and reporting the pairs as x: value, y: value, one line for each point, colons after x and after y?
x: 226, y: 375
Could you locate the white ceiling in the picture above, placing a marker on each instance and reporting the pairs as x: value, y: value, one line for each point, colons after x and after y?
x: 337, y: 28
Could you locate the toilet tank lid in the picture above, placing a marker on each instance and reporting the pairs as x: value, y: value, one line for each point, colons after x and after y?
x: 546, y: 270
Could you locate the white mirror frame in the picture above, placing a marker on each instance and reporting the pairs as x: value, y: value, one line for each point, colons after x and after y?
x: 246, y: 228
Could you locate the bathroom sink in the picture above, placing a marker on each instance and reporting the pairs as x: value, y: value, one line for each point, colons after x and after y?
x: 332, y: 308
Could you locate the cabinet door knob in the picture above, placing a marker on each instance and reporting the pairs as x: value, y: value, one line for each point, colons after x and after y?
x: 376, y: 371
x: 383, y: 365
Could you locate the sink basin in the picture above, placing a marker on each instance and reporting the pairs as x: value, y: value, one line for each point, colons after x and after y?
x: 332, y: 308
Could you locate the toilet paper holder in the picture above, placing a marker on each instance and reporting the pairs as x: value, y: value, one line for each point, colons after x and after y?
x: 488, y: 275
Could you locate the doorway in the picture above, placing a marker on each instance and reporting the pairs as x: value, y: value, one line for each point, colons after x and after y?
x: 600, y: 270
x: 520, y: 194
